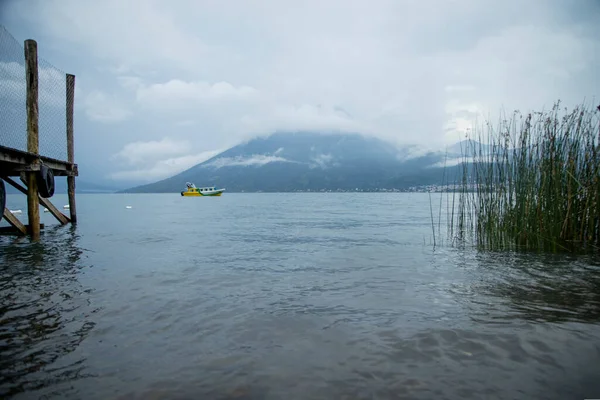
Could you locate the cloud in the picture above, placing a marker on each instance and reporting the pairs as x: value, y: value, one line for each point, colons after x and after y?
x: 163, y: 168
x: 138, y: 153
x: 321, y: 161
x: 277, y: 117
x: 187, y: 122
x: 142, y: 33
x: 177, y: 94
x: 130, y: 81
x: 254, y: 160
x: 152, y: 160
x: 406, y: 71
x: 453, y: 161
x: 103, y: 107
x: 457, y: 88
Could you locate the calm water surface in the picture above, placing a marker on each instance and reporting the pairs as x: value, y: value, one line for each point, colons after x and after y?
x: 286, y: 296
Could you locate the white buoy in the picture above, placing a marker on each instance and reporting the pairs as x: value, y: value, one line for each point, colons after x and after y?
x: 16, y: 211
x: 66, y: 206
x: 46, y: 210
x: 128, y: 207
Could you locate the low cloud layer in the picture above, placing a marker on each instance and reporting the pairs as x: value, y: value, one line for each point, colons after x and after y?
x: 322, y: 161
x: 211, y: 74
x: 154, y: 160
x: 255, y: 160
x: 163, y: 168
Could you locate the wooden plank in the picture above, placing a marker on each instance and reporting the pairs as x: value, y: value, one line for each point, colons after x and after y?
x: 8, y: 154
x: 15, y: 184
x: 31, y: 73
x: 14, y: 222
x: 15, y: 169
x: 22, y: 161
x: 11, y: 230
x: 9, y: 171
x: 30, y: 157
x: 63, y: 219
x: 71, y: 146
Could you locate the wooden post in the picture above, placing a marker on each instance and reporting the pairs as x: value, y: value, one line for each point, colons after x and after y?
x: 71, y: 145
x: 31, y: 65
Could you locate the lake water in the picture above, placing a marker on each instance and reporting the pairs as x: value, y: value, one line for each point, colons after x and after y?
x: 286, y: 296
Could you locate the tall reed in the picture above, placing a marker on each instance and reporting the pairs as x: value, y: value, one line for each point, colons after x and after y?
x: 531, y: 183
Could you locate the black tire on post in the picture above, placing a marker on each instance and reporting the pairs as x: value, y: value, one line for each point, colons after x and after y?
x: 45, y: 180
x: 2, y: 198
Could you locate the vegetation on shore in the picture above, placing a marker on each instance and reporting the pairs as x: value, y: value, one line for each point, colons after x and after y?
x: 531, y: 183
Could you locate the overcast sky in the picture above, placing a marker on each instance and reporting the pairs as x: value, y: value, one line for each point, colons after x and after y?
x: 163, y: 85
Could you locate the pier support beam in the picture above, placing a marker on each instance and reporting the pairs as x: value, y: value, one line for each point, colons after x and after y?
x: 63, y: 219
x: 71, y: 146
x: 33, y: 205
x: 14, y: 222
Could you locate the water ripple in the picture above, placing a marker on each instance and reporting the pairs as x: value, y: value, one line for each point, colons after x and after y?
x: 288, y: 296
x: 43, y: 314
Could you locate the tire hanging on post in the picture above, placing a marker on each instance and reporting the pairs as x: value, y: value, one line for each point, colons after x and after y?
x: 45, y: 181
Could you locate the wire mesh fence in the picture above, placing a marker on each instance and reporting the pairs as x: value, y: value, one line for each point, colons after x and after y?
x: 70, y: 99
x: 13, y: 114
x: 52, y: 100
x: 52, y: 111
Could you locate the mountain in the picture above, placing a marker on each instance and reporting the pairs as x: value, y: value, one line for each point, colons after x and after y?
x: 303, y: 161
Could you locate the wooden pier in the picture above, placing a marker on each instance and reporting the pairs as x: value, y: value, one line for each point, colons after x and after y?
x: 34, y: 171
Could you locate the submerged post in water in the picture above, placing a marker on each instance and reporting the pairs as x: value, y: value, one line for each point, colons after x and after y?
x: 33, y: 205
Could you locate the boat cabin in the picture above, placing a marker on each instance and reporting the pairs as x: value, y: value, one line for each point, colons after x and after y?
x: 191, y: 187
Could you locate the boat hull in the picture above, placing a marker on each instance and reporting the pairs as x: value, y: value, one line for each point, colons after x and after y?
x: 199, y: 194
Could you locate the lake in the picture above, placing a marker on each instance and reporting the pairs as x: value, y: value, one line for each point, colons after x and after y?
x: 295, y: 296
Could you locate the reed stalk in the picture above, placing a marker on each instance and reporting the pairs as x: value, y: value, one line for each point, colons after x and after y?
x: 531, y: 183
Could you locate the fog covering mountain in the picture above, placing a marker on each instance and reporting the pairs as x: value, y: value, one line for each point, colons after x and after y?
x: 286, y: 162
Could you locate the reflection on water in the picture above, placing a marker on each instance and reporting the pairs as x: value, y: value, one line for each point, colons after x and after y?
x: 44, y: 312
x: 283, y: 299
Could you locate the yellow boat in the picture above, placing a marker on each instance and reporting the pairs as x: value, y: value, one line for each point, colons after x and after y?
x: 193, y: 191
